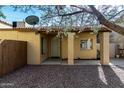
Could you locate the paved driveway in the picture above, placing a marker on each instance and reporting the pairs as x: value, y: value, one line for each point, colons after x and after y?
x: 65, y: 76
x: 117, y: 62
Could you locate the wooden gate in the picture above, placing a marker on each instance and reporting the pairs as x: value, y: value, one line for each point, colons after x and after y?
x: 13, y: 55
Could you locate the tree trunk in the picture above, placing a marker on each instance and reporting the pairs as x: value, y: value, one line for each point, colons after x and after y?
x: 113, y: 26
x: 107, y: 23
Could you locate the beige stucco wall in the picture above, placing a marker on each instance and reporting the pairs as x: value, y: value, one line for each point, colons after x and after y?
x: 82, y: 54
x: 33, y: 46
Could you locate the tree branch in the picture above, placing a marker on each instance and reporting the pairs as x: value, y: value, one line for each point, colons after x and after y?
x: 100, y: 17
x: 68, y: 14
x: 77, y: 12
x: 116, y: 14
x: 105, y: 22
x: 84, y: 9
x: 73, y: 13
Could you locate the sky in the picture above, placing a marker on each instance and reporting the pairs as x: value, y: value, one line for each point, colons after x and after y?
x: 12, y: 15
x: 18, y: 15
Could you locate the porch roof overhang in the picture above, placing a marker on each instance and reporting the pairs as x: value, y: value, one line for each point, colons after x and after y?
x: 47, y: 30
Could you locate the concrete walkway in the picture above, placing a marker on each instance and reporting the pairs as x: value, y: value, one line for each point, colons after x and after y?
x: 113, y: 61
x: 117, y: 62
x: 64, y: 62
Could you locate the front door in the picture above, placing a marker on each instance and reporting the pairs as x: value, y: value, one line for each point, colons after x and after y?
x: 55, y: 47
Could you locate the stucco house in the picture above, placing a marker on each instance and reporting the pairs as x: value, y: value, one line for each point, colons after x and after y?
x: 43, y: 44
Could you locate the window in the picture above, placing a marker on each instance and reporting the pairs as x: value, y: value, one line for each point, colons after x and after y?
x: 86, y: 44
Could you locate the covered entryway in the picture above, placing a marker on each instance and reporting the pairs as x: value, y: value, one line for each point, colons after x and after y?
x: 66, y: 51
x: 51, y: 50
x: 55, y: 47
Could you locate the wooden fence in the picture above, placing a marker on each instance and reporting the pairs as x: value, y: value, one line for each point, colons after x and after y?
x: 13, y: 55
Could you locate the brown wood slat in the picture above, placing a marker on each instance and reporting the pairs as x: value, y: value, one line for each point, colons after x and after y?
x: 13, y: 55
x: 0, y: 60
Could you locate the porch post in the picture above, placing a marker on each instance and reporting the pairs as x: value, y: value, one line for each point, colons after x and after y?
x: 71, y: 48
x: 104, y: 48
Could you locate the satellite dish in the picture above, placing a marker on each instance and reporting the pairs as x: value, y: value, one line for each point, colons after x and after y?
x: 32, y: 20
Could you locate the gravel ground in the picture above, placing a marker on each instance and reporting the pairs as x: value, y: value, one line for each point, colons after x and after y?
x: 59, y: 76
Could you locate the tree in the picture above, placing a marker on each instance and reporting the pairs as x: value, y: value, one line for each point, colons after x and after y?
x: 78, y: 15
x: 1, y: 13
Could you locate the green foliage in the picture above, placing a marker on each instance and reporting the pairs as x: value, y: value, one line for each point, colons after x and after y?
x: 1, y: 13
x: 95, y: 29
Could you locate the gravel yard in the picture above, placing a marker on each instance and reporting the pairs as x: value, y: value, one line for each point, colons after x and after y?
x: 59, y: 76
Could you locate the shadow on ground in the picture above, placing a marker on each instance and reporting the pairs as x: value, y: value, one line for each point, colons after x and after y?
x: 59, y: 76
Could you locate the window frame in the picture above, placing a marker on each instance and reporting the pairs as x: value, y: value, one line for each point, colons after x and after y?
x: 85, y: 40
